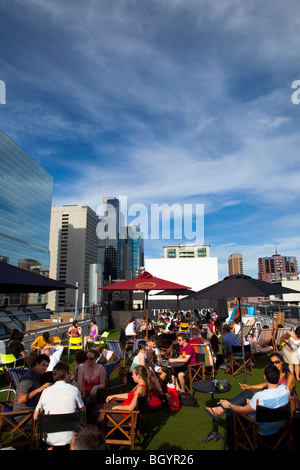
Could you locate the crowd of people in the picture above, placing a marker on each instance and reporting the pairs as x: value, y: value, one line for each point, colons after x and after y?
x: 49, y: 387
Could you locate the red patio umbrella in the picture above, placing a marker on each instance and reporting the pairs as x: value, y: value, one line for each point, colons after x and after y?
x: 145, y: 282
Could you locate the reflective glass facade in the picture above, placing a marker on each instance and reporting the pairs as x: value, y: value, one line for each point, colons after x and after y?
x: 25, y: 208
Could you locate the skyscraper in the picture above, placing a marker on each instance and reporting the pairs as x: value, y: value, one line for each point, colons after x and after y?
x: 25, y: 210
x: 73, y: 248
x: 120, y: 249
x: 133, y: 251
x: 109, y: 242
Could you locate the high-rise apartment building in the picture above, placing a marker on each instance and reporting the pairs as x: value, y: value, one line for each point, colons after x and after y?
x: 120, y: 249
x: 277, y: 268
x: 73, y: 248
x: 133, y: 252
x: 25, y: 211
x: 187, y: 250
x: 235, y: 264
x: 109, y: 241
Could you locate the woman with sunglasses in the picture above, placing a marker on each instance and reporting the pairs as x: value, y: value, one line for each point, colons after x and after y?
x: 286, y: 377
x: 91, y: 376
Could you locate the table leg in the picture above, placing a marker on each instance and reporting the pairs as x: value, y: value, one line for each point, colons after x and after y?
x: 213, y: 434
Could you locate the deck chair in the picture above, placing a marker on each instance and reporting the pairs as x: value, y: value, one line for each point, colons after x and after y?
x: 246, y: 429
x: 102, y: 338
x: 11, y: 361
x: 204, y: 354
x: 234, y: 360
x: 109, y: 355
x: 109, y: 368
x: 16, y: 427
x: 120, y: 352
x: 277, y: 338
x: 46, y: 423
x: 13, y: 376
x: 265, y: 337
x: 125, y: 430
x: 246, y: 330
x: 74, y: 344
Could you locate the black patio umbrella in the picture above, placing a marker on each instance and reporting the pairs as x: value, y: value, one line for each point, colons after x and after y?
x: 18, y: 280
x: 239, y: 286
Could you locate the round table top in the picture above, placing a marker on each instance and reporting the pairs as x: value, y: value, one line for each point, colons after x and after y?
x: 208, y: 386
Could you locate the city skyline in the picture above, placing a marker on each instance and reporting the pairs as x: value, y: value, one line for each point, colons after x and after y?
x: 164, y: 102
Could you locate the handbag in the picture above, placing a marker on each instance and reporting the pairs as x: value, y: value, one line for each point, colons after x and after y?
x: 174, y: 402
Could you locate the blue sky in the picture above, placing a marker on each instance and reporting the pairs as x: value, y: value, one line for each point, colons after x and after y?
x: 163, y: 101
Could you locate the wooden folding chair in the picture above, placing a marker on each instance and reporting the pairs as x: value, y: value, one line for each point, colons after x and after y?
x: 246, y: 428
x: 16, y: 427
x: 126, y: 430
x: 196, y: 373
x: 234, y: 360
x: 168, y: 352
x: 51, y: 423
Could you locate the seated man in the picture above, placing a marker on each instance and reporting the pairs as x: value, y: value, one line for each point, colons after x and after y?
x: 273, y: 396
x: 180, y: 364
x: 40, y: 342
x: 156, y: 358
x: 229, y: 339
x: 60, y: 398
x: 54, y: 353
x: 29, y: 388
x: 130, y: 328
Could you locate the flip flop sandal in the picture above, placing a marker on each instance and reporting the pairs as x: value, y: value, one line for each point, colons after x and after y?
x: 212, y: 414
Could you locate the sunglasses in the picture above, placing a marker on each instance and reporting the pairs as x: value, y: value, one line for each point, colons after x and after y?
x: 90, y: 358
x: 276, y: 362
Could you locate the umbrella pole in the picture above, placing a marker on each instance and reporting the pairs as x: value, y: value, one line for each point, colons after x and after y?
x: 146, y: 292
x: 242, y: 339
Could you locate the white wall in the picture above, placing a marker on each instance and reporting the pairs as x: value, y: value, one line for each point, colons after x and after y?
x: 196, y: 273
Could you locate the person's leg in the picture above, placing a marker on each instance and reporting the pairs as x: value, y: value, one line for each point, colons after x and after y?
x: 240, y: 399
x: 181, y: 379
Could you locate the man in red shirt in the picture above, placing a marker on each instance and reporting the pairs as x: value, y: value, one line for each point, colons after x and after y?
x: 180, y: 364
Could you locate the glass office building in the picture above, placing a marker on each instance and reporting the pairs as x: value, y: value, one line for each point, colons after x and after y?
x: 25, y: 211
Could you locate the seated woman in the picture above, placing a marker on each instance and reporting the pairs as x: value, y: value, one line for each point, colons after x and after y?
x: 285, y: 378
x: 91, y: 377
x: 16, y: 347
x: 74, y: 331
x: 128, y: 401
x: 93, y: 336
